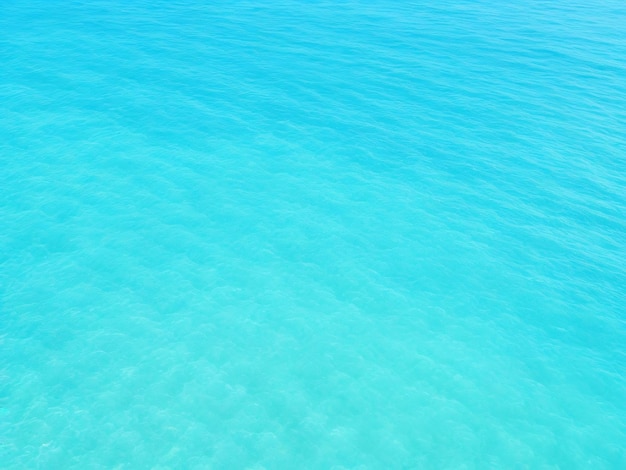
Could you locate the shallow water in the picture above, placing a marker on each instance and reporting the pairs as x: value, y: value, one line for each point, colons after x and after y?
x: 354, y: 234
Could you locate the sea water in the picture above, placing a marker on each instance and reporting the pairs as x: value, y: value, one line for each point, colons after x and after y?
x: 327, y: 235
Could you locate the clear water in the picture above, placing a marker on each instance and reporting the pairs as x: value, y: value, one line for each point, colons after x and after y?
x: 349, y: 234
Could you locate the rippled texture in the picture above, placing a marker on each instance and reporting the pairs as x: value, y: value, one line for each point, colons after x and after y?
x: 349, y: 234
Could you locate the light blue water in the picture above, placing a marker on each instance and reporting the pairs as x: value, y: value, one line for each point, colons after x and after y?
x: 349, y: 234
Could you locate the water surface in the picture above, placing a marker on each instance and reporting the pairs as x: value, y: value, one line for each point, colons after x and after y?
x: 354, y: 234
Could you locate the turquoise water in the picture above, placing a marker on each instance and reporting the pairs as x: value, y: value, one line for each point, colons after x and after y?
x: 350, y: 234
